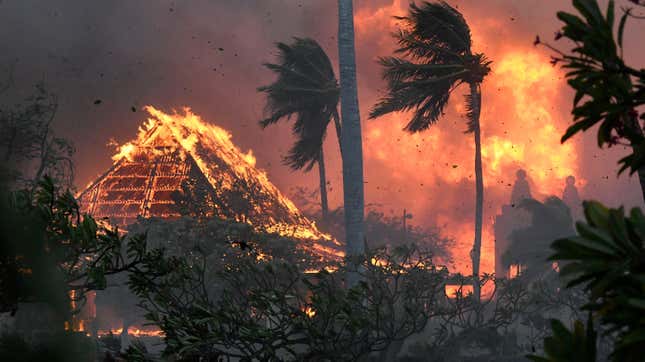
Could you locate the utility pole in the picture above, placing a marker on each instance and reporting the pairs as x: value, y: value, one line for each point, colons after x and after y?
x: 406, y: 216
x: 405, y: 229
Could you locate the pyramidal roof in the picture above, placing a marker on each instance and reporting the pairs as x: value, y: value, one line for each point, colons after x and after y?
x: 179, y: 165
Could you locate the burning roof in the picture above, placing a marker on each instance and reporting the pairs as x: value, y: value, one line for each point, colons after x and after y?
x: 180, y: 165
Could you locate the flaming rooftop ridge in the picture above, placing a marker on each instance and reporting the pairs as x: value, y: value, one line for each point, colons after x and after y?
x: 179, y: 165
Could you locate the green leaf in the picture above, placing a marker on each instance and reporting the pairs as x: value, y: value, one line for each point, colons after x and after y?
x: 596, y: 213
x: 577, y: 127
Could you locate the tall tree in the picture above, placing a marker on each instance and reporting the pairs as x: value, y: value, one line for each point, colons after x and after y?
x: 435, y: 46
x: 352, y: 144
x: 307, y: 89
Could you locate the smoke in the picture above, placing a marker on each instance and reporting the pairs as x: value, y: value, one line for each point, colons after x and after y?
x: 207, y: 55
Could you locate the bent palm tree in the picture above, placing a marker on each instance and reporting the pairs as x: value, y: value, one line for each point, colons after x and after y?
x: 435, y: 41
x: 307, y: 89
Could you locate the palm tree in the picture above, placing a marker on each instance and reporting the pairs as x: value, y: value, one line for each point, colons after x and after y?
x: 307, y: 89
x: 352, y: 145
x: 435, y: 44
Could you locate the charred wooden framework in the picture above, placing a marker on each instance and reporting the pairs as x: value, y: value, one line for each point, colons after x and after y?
x: 179, y: 158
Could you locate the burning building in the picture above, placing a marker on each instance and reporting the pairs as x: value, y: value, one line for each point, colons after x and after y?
x: 180, y: 165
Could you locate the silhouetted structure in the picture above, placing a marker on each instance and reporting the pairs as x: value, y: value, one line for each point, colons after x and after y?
x: 529, y: 247
x: 521, y: 188
x: 572, y: 199
x: 511, y: 218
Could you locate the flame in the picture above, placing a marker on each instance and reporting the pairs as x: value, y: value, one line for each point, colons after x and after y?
x: 327, y: 268
x: 77, y: 322
x: 519, y: 130
x: 221, y: 163
x: 453, y: 290
x: 378, y: 262
x: 432, y: 173
x: 533, y: 138
x: 309, y: 312
x: 133, y: 331
x: 186, y: 130
x: 514, y: 270
x: 262, y: 256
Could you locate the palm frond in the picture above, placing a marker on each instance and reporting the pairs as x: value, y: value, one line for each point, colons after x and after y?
x: 310, y: 131
x: 434, y: 30
x: 427, y: 100
x: 434, y: 44
x: 305, y: 90
x: 398, y: 69
x: 417, y: 48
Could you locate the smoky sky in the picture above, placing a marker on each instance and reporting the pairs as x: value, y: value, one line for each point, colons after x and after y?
x: 207, y: 55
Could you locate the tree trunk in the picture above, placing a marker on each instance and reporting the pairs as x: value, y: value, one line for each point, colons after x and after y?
x: 475, y: 92
x: 323, y: 186
x: 405, y: 226
x: 352, y: 147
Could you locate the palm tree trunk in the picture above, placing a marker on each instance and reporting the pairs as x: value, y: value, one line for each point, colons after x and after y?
x: 352, y: 146
x: 323, y: 186
x: 479, y: 188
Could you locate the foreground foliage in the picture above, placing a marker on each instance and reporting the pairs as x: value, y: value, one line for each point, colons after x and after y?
x: 50, y: 250
x: 608, y: 92
x: 30, y: 147
x: 284, y: 313
x: 608, y: 259
x: 57, y: 347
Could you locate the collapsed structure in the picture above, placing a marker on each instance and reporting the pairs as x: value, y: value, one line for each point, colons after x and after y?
x: 180, y: 165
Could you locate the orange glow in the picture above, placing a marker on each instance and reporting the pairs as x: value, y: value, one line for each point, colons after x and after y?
x: 535, y: 132
x: 221, y: 163
x: 432, y: 173
x: 309, y: 312
x: 514, y: 270
x: 77, y: 321
x: 133, y: 331
x: 262, y: 256
x: 378, y: 262
x: 452, y: 290
x: 328, y: 269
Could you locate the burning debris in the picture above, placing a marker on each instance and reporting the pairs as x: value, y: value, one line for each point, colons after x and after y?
x: 180, y: 165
